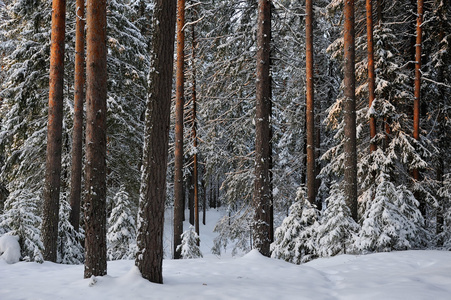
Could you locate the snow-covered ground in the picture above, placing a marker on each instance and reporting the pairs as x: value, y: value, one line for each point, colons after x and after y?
x: 397, y: 275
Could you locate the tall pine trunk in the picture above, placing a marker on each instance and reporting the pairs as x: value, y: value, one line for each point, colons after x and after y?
x: 194, y: 135
x: 54, y: 132
x: 96, y: 95
x: 371, y: 75
x: 262, y: 190
x: 350, y: 161
x: 149, y: 258
x: 416, y: 102
x: 310, y: 105
x: 77, y: 135
x: 179, y: 105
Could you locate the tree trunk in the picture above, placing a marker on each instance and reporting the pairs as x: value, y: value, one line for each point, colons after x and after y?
x: 380, y: 11
x: 179, y: 105
x: 261, y: 238
x: 319, y: 201
x: 204, y: 199
x: 371, y: 75
x: 149, y: 258
x: 96, y: 95
x: 191, y: 197
x: 310, y: 116
x: 194, y: 135
x: 350, y: 163
x: 77, y: 135
x: 441, y: 120
x: 416, y: 102
x: 54, y: 133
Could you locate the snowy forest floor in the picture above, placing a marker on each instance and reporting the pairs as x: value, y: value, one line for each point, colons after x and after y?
x: 396, y: 275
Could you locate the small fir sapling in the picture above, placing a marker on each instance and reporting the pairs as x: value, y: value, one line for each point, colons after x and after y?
x: 121, y: 235
x: 190, y: 244
x: 338, y: 229
x: 295, y: 240
x: 70, y: 249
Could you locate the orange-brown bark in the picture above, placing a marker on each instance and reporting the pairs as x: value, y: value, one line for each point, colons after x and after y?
x: 54, y: 132
x: 310, y: 116
x: 96, y: 95
x: 79, y: 97
x: 179, y: 104
x: 371, y: 74
x: 416, y: 103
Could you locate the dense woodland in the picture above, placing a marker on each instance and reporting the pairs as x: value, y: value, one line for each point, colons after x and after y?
x: 319, y: 127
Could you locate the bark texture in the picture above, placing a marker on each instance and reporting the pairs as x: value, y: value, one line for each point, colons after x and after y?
x: 54, y: 132
x: 96, y: 95
x: 310, y: 116
x: 77, y: 135
x: 262, y: 190
x: 179, y: 105
x: 149, y: 259
x: 371, y: 75
x: 416, y: 102
x: 194, y: 135
x: 350, y: 172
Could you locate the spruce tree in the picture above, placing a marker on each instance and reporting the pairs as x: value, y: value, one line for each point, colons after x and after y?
x: 70, y: 249
x: 121, y: 234
x: 295, y: 239
x: 338, y: 230
x: 189, y: 248
x: 21, y: 218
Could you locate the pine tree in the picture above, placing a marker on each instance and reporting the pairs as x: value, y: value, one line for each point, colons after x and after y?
x: 349, y: 110
x: 149, y: 257
x: 262, y: 183
x: 310, y: 116
x: 179, y: 107
x: 96, y: 106
x: 79, y: 98
x: 189, y: 248
x: 54, y: 132
x: 121, y: 234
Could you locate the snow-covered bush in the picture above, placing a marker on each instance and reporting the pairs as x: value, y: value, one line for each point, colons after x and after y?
x: 20, y: 219
x: 9, y: 248
x: 338, y: 229
x: 190, y: 244
x: 121, y: 235
x: 392, y: 221
x: 294, y: 240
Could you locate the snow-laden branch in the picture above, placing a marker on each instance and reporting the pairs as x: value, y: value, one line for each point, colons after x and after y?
x: 192, y: 23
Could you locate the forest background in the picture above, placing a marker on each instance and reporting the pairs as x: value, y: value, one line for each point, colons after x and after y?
x: 397, y: 209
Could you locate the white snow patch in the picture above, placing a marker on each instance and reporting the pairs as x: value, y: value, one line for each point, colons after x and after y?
x: 10, y: 248
x: 394, y: 275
